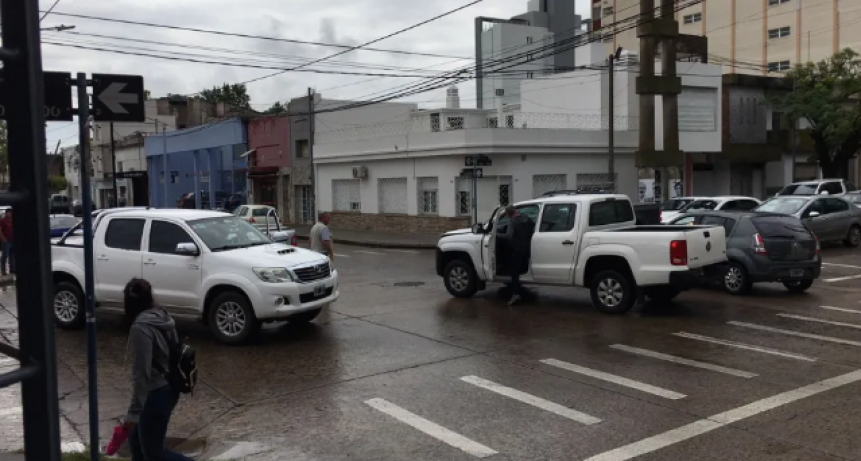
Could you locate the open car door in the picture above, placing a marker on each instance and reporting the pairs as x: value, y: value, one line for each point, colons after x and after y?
x: 488, y: 245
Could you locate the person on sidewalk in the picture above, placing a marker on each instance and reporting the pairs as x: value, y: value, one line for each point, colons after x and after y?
x: 8, y: 241
x: 519, y: 233
x: 151, y: 332
x: 320, y: 238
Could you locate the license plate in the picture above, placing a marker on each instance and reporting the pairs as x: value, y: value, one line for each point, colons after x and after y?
x: 319, y: 290
x: 796, y: 273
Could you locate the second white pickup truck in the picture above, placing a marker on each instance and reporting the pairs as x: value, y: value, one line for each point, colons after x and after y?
x: 587, y: 241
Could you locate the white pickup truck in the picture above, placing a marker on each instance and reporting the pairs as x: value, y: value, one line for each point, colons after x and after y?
x: 203, y: 265
x: 586, y: 241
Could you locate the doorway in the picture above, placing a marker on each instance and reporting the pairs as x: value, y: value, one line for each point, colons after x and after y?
x: 305, y: 205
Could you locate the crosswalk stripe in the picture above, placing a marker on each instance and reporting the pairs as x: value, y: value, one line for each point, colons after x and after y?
x: 432, y: 429
x: 842, y: 279
x: 402, y: 251
x: 840, y: 309
x: 342, y: 256
x: 529, y: 399
x: 369, y: 252
x: 816, y: 320
x: 796, y: 333
x: 684, y: 361
x: 749, y: 347
x: 848, y: 266
x: 615, y: 379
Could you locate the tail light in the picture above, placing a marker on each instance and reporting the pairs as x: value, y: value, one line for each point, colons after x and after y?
x: 251, y: 220
x: 759, y: 245
x: 679, y: 253
x: 817, y: 243
x: 293, y: 240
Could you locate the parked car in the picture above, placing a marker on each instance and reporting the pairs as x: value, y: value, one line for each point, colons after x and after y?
x: 235, y: 200
x: 817, y: 187
x: 729, y: 202
x: 855, y: 198
x: 832, y: 219
x: 188, y: 201
x: 763, y: 247
x: 265, y: 218
x: 77, y: 208
x: 671, y: 208
x: 59, y: 204
x: 61, y: 223
x: 203, y: 265
x: 588, y: 241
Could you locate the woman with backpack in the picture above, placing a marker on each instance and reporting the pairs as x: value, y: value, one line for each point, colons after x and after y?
x: 152, y: 340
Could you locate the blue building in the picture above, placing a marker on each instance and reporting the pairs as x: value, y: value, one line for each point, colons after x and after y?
x: 203, y: 158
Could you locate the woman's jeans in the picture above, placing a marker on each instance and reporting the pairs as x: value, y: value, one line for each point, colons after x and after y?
x: 147, y: 438
x: 8, y: 255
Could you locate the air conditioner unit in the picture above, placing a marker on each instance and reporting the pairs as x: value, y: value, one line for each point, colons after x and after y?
x: 360, y: 172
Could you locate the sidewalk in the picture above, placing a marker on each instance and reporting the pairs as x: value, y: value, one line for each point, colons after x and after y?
x: 415, y: 241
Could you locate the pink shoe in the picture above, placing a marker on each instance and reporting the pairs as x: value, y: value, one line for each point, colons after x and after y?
x: 117, y: 440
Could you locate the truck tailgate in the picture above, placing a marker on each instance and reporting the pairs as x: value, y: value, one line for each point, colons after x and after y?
x: 706, y: 246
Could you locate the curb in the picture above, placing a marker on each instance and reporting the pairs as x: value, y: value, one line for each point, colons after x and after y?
x: 365, y: 243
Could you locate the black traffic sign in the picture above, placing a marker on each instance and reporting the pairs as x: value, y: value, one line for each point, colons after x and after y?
x: 468, y: 173
x: 118, y: 98
x: 57, y: 96
x: 477, y: 160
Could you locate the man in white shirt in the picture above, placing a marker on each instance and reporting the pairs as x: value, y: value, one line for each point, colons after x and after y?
x: 320, y: 238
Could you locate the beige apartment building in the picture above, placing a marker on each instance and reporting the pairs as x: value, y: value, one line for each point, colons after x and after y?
x: 753, y: 36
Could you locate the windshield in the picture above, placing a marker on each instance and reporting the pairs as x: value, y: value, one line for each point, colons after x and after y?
x: 799, y: 189
x: 227, y: 233
x: 260, y: 212
x: 63, y: 222
x: 702, y: 205
x: 676, y: 204
x: 782, y: 205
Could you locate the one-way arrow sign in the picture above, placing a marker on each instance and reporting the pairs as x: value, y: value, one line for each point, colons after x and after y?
x: 118, y: 98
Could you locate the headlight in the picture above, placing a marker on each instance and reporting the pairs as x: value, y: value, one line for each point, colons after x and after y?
x: 273, y: 274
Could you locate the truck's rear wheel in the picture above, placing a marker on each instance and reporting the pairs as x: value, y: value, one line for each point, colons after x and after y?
x: 232, y: 319
x: 69, y: 310
x: 612, y: 292
x: 460, y: 279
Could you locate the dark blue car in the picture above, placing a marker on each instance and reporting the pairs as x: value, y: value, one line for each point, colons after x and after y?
x: 61, y: 223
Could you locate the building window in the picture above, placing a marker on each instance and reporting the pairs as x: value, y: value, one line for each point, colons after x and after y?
x: 777, y: 2
x: 346, y: 195
x: 608, y: 11
x: 428, y: 195
x: 692, y: 18
x: 529, y: 57
x: 544, y: 183
x: 778, y: 33
x: 529, y: 75
x: 455, y: 123
x: 504, y: 194
x: 392, y: 194
x: 493, y: 122
x: 302, y: 149
x: 779, y: 66
x: 528, y: 40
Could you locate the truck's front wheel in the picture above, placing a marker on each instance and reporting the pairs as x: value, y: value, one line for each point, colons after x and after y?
x: 232, y: 318
x: 460, y: 279
x: 69, y: 310
x: 612, y: 292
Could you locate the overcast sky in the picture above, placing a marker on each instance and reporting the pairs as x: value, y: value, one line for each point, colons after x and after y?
x: 350, y: 22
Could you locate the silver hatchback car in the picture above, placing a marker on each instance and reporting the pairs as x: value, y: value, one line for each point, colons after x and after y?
x: 832, y: 219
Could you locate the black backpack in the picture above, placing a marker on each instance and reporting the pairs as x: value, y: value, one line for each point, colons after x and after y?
x: 181, y: 374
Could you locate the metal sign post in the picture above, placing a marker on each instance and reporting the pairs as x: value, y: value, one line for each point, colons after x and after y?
x: 473, y: 162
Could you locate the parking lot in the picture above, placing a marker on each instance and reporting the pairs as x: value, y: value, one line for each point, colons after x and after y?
x: 397, y: 369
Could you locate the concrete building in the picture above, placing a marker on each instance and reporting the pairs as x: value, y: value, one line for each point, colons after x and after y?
x: 500, y: 43
x: 773, y: 35
x: 72, y: 171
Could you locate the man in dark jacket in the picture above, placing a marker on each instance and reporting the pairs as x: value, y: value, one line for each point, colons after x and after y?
x: 519, y: 233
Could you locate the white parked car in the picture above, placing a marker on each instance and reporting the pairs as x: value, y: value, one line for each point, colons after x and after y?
x: 674, y: 206
x: 203, y: 265
x: 725, y: 203
x: 818, y: 187
x: 585, y: 241
x: 265, y: 218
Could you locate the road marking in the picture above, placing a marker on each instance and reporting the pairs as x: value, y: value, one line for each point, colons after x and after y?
x: 797, y: 333
x: 647, y: 388
x: 342, y: 256
x: 689, y: 431
x: 11, y: 411
x: 403, y: 251
x: 432, y: 429
x: 684, y: 361
x: 532, y: 400
x: 841, y: 309
x: 749, y: 347
x: 828, y: 322
x: 848, y: 266
x: 842, y: 279
x: 369, y: 252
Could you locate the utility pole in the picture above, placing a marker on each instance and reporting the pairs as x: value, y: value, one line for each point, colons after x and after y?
x: 164, y: 162
x: 312, y: 126
x: 611, y: 129
x: 114, y: 165
x: 670, y: 96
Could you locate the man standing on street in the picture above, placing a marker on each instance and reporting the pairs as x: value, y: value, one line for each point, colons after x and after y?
x: 520, y: 229
x: 7, y: 239
x: 320, y: 239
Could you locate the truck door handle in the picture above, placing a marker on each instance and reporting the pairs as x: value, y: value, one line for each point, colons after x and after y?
x: 568, y: 242
x: 102, y: 258
x: 150, y: 262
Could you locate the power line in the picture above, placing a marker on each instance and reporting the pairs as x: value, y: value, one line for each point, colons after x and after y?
x: 49, y: 10
x: 249, y: 36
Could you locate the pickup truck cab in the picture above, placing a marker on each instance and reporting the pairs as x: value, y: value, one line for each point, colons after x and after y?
x: 203, y: 265
x: 586, y: 241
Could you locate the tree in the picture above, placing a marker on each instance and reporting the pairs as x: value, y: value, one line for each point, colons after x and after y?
x: 234, y: 94
x: 147, y: 95
x: 276, y: 109
x: 828, y: 95
x: 57, y: 183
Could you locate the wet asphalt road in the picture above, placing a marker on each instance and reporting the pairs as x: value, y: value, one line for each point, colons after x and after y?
x: 397, y: 370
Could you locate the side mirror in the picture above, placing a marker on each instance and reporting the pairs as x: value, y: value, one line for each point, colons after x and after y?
x: 824, y: 192
x: 812, y: 214
x: 280, y: 236
x: 478, y: 228
x: 187, y: 249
